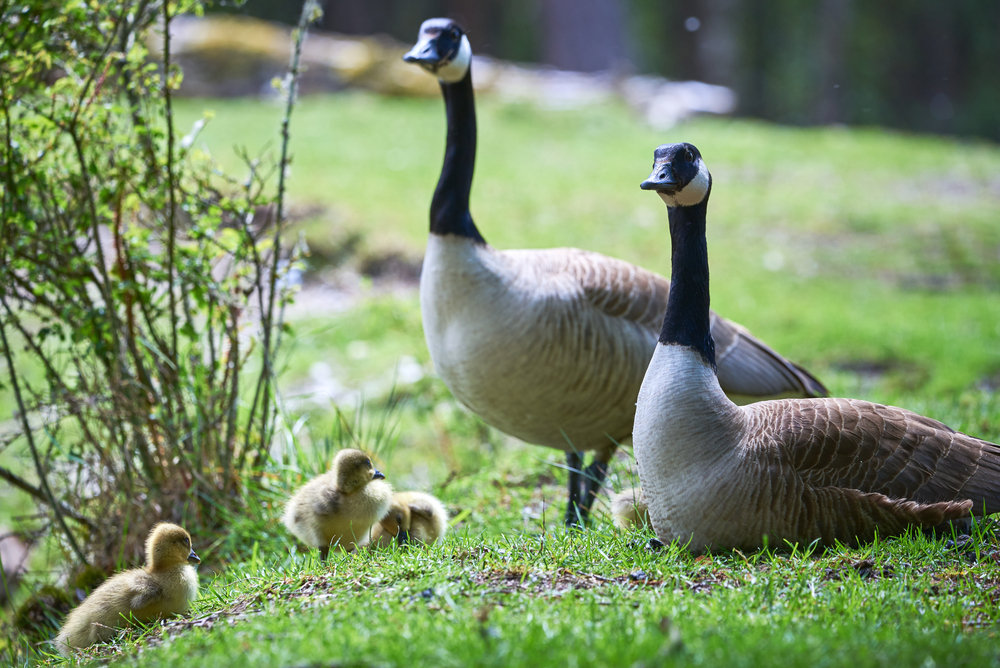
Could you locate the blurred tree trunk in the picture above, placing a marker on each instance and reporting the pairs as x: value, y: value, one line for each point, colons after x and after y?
x: 833, y: 22
x: 717, y: 41
x: 755, y: 48
x: 356, y: 17
x: 584, y: 35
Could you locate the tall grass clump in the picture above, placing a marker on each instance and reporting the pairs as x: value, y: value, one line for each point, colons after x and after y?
x: 141, y: 288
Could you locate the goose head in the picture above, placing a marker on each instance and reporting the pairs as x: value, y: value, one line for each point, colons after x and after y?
x: 354, y: 470
x: 679, y: 175
x: 442, y: 49
x: 169, y: 546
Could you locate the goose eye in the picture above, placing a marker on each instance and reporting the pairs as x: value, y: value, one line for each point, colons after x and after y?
x: 689, y: 155
x: 454, y: 33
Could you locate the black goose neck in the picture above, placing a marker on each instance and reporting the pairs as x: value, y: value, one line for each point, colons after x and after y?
x: 450, y: 205
x: 687, y: 320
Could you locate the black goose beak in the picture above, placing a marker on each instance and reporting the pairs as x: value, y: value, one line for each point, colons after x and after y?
x: 378, y: 475
x: 402, y: 538
x: 193, y: 558
x: 661, y: 179
x: 424, y: 53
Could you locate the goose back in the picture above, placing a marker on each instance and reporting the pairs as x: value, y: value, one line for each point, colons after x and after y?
x: 551, y: 345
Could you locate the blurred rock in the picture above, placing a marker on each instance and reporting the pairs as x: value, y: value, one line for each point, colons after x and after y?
x: 662, y: 103
x: 226, y: 56
x: 13, y: 563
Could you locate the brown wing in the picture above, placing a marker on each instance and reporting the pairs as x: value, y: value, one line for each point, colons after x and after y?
x: 619, y: 289
x: 850, y: 516
x: 849, y: 443
x: 746, y: 366
x: 749, y: 367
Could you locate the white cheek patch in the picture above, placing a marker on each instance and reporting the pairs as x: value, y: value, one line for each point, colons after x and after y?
x: 693, y: 193
x: 455, y: 70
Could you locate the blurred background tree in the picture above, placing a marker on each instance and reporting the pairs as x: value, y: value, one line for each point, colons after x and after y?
x: 915, y: 64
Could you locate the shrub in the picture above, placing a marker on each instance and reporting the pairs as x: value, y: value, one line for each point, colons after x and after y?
x: 140, y: 288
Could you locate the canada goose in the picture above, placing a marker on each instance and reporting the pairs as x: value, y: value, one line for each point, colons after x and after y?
x: 548, y: 345
x: 340, y: 506
x: 628, y: 509
x: 165, y: 587
x: 413, y: 517
x: 718, y: 475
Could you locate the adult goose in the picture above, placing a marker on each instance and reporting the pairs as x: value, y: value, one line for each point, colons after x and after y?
x: 548, y: 345
x: 716, y: 475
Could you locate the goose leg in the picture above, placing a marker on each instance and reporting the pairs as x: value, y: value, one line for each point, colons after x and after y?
x: 593, y: 478
x: 575, y: 514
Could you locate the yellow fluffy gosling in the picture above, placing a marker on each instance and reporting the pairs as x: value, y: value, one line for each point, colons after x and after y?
x: 165, y: 587
x: 629, y: 509
x: 339, y: 507
x: 413, y: 517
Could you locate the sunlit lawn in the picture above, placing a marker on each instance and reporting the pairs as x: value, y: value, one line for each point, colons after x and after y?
x: 871, y: 258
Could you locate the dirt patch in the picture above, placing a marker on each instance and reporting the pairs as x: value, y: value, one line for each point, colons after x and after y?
x: 556, y: 583
x: 865, y: 568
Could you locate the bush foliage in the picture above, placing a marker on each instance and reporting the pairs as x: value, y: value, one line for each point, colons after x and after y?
x: 140, y: 287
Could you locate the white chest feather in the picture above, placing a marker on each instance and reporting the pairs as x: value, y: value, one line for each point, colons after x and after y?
x: 684, y: 439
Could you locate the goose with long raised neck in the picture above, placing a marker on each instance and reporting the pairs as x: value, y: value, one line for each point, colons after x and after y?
x: 548, y: 345
x: 716, y: 475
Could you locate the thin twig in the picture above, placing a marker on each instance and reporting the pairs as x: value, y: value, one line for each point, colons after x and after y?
x: 311, y: 11
x: 171, y: 186
x: 29, y: 436
x: 39, y: 494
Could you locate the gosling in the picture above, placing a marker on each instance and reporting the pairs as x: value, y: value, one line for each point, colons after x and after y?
x: 413, y: 517
x: 165, y: 587
x: 629, y: 510
x: 339, y: 507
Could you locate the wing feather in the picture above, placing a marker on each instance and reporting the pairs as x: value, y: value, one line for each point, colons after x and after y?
x: 855, y: 444
x: 746, y: 365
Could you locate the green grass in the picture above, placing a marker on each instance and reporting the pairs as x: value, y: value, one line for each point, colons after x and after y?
x: 595, y: 598
x: 872, y: 258
x: 836, y: 246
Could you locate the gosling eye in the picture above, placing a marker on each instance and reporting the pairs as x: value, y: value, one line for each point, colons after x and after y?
x: 399, y: 519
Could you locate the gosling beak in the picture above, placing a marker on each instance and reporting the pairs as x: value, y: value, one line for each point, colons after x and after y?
x: 661, y: 179
x: 378, y: 475
x: 402, y: 538
x: 425, y: 54
x: 193, y: 558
